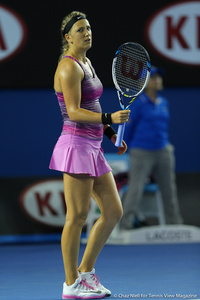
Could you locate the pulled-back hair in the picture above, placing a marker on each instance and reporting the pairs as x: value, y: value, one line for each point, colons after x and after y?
x: 65, y: 45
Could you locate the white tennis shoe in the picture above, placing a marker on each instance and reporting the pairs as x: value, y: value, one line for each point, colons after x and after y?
x: 92, y: 279
x: 80, y: 289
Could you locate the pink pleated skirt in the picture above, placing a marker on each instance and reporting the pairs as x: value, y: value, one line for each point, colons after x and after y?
x: 78, y: 155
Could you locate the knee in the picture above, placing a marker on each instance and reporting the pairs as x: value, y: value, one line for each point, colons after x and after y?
x: 116, y: 214
x: 119, y: 213
x: 77, y: 219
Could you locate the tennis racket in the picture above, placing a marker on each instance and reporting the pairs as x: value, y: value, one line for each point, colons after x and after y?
x: 130, y: 72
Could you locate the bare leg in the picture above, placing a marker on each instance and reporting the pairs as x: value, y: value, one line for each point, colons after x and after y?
x: 106, y: 195
x: 78, y: 190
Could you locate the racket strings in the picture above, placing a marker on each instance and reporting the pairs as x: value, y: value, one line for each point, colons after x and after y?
x: 131, y: 69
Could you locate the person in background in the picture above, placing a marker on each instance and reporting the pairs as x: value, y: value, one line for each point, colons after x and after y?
x: 78, y: 155
x: 150, y: 153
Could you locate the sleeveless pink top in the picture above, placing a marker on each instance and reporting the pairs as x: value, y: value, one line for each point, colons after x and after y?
x: 91, y: 90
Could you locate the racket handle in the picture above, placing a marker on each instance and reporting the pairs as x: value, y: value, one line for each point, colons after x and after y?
x: 120, y: 134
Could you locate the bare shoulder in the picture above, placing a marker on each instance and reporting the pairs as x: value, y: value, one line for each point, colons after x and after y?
x: 89, y: 60
x: 67, y: 70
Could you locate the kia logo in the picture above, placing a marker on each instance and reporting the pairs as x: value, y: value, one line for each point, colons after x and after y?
x: 174, y: 32
x: 44, y: 202
x: 12, y: 33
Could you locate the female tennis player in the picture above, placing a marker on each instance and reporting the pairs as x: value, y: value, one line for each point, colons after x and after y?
x: 79, y: 156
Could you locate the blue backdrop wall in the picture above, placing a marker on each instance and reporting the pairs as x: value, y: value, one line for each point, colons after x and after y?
x: 31, y: 122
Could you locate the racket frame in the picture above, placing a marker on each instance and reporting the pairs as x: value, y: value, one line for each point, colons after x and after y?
x: 121, y: 94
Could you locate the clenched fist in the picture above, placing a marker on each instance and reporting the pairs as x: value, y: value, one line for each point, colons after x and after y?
x: 120, y: 116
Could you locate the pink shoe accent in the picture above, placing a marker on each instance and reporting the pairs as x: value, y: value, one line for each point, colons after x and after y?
x: 69, y: 297
x: 86, y: 297
x: 96, y: 279
x: 83, y: 282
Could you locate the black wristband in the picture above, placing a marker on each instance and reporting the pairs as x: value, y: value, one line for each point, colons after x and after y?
x: 106, y: 118
x: 109, y: 132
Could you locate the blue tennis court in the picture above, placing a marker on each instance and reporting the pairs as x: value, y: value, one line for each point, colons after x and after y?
x: 35, y: 271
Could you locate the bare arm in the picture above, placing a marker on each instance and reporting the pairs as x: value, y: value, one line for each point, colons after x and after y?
x: 68, y: 77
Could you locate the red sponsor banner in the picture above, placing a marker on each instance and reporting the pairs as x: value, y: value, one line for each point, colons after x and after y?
x: 174, y: 32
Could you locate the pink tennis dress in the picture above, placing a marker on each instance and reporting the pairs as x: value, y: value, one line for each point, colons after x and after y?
x: 78, y: 149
